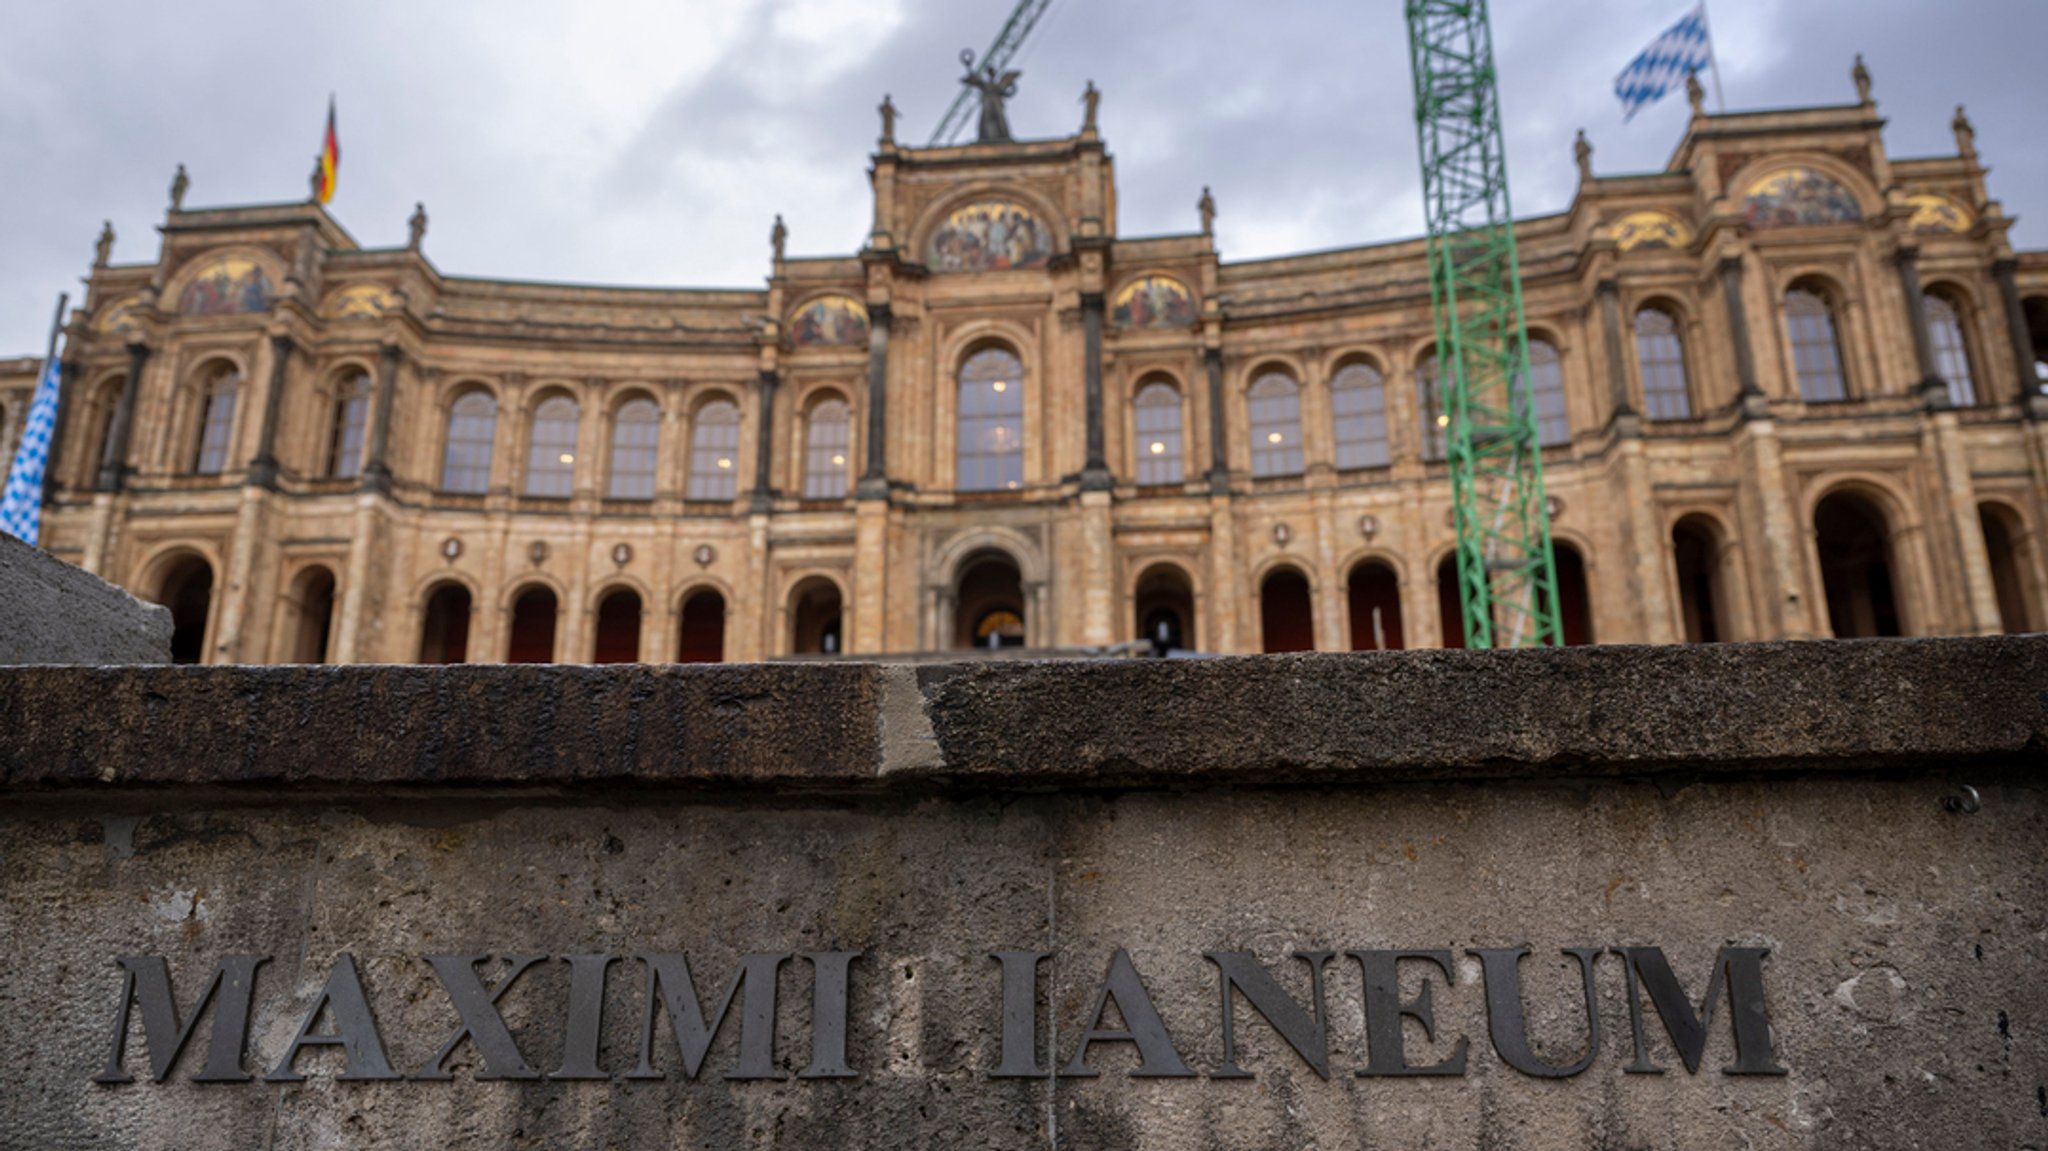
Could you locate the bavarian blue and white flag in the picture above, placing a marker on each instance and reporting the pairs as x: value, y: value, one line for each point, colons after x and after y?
x: 1684, y: 49
x: 21, y: 508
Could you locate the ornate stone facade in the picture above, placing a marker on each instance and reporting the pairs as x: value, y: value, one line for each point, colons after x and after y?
x: 1789, y: 389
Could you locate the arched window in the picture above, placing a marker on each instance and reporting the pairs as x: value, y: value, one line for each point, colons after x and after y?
x: 312, y: 614
x: 989, y: 608
x: 1358, y: 405
x: 815, y: 618
x: 551, y: 448
x: 990, y: 443
x: 1156, y: 421
x: 533, y: 627
x: 636, y: 441
x: 1574, y: 599
x: 715, y: 452
x: 351, y: 423
x: 1546, y: 387
x: 1435, y: 419
x: 1816, y: 349
x: 187, y: 589
x: 618, y: 628
x: 1276, y: 425
x: 703, y: 631
x: 2004, y: 547
x: 216, y: 421
x: 444, y: 626
x: 1660, y: 356
x: 1951, y: 349
x: 1375, y: 595
x: 1287, y: 621
x: 828, y: 441
x: 472, y: 426
x: 1854, y: 545
x: 1164, y: 603
x: 1696, y: 552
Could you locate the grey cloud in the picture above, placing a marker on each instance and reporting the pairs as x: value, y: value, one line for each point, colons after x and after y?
x: 1298, y: 115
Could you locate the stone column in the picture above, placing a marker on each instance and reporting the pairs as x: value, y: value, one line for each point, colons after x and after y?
x: 114, y: 454
x: 1219, y: 467
x: 2016, y: 328
x: 1959, y: 496
x: 1095, y: 475
x: 377, y: 468
x: 1738, y: 327
x: 1098, y: 571
x: 870, y: 589
x: 355, y: 580
x: 1781, y: 554
x: 1933, y: 389
x: 263, y: 468
x: 1617, y: 366
x: 874, y: 481
x: 763, y: 498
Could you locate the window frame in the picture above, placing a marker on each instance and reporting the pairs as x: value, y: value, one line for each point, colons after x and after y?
x: 1796, y: 342
x: 348, y: 431
x: 1375, y: 448
x: 1270, y: 458
x: 714, y: 484
x: 822, y: 479
x: 488, y: 442
x: 1168, y: 466
x: 648, y: 477
x: 1662, y: 368
x: 977, y: 471
x: 213, y: 432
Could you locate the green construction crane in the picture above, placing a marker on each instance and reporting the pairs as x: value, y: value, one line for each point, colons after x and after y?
x: 1004, y: 49
x: 1507, y: 577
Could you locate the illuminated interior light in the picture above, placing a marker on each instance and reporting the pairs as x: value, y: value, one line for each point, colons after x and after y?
x: 725, y: 463
x: 567, y: 458
x: 1157, y: 447
x: 1274, y: 437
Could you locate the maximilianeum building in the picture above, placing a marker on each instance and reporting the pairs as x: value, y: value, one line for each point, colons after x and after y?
x: 1789, y: 387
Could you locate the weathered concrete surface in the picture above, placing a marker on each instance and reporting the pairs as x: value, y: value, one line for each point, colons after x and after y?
x: 56, y: 613
x: 1907, y: 941
x: 1437, y: 714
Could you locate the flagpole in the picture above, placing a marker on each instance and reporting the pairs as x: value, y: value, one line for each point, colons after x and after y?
x: 49, y: 357
x: 1713, y: 59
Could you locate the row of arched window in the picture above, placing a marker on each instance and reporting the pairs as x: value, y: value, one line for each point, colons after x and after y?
x: 989, y: 414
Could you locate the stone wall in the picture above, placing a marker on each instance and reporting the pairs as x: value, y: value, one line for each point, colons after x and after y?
x: 1812, y: 800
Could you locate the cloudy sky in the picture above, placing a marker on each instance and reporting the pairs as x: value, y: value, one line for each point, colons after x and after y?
x: 651, y: 141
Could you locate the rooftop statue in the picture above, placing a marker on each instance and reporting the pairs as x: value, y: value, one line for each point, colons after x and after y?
x: 994, y: 89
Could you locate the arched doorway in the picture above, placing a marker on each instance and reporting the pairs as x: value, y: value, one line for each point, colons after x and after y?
x: 444, y: 630
x: 311, y: 606
x: 815, y: 618
x: 187, y: 589
x: 1853, y: 544
x: 1450, y: 610
x: 1164, y: 607
x: 989, y: 601
x: 1287, y: 621
x: 618, y: 628
x: 1375, y: 600
x: 1696, y: 554
x: 533, y: 627
x: 2002, y: 535
x: 1574, y: 600
x: 703, y: 631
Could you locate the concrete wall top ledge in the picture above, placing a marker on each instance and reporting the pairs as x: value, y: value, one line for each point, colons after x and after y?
x: 1939, y: 704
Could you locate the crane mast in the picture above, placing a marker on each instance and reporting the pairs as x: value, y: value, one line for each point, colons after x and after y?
x: 999, y: 54
x: 1507, y: 576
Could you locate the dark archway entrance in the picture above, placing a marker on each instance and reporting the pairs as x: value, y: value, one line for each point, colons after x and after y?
x: 816, y: 618
x: 444, y: 633
x: 989, y: 609
x: 1696, y: 554
x: 703, y: 630
x: 2008, y: 568
x: 187, y: 589
x: 312, y: 604
x: 1164, y: 607
x: 1574, y: 600
x: 1375, y: 600
x: 1450, y: 611
x: 533, y: 627
x: 1287, y: 620
x: 1854, y: 545
x: 618, y: 628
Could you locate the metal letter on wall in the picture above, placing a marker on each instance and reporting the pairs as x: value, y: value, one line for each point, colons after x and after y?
x: 355, y: 1030
x: 1310, y: 1037
x: 669, y: 985
x: 148, y: 978
x: 1741, y: 968
x: 1156, y: 1057
x: 1384, y: 1008
x: 1509, y: 1024
x: 481, y: 1022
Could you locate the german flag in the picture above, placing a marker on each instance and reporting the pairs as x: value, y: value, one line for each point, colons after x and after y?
x: 330, y: 159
